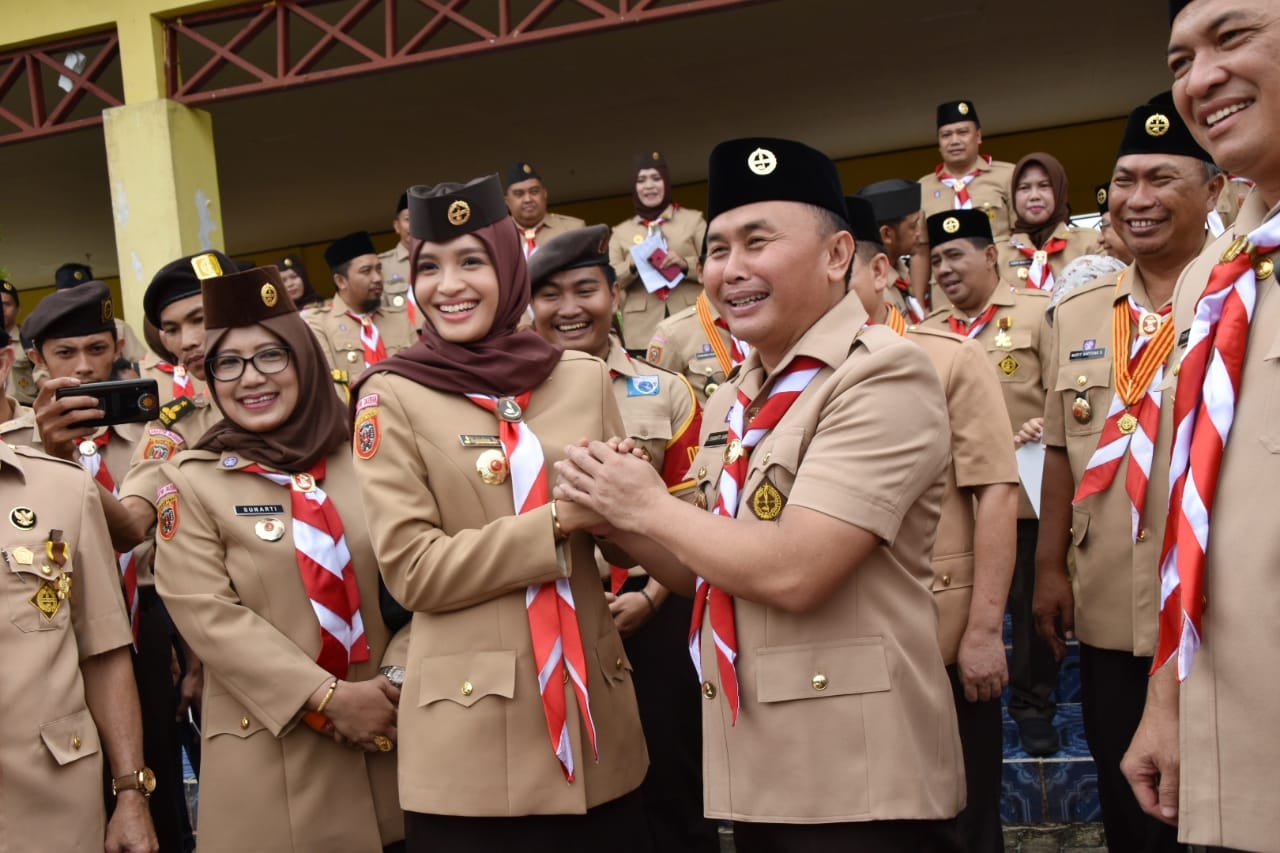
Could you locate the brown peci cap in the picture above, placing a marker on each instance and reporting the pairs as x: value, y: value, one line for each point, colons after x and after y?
x: 581, y: 247
x: 243, y: 298
x: 70, y: 313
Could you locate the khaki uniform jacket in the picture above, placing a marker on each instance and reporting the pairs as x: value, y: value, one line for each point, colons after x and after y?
x: 179, y: 427
x: 268, y: 782
x: 680, y: 344
x: 50, y: 757
x: 1229, y: 750
x: 397, y: 286
x: 981, y: 455
x: 1116, y: 581
x: 473, y: 735
x: 990, y: 193
x: 339, y: 334
x: 19, y: 428
x: 553, y: 225
x: 1017, y: 365
x: 659, y: 411
x: 1014, y: 265
x: 879, y: 740
x: 21, y: 384
x: 684, y: 229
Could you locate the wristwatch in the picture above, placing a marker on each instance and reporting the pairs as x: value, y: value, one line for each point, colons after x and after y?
x: 139, y: 780
x: 394, y: 674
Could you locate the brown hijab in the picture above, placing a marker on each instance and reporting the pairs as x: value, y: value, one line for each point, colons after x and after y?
x: 650, y: 160
x: 318, y: 423
x: 1061, y: 212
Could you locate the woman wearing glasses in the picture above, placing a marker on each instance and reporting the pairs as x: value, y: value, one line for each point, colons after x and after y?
x: 265, y: 565
x: 519, y: 729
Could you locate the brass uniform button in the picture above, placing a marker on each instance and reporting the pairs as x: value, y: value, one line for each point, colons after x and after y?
x: 244, y: 722
x: 618, y: 663
x: 708, y: 690
x: 819, y: 682
x: 75, y: 742
x: 946, y: 580
x: 1082, y: 381
x: 765, y: 460
x: 46, y: 569
x: 1142, y: 534
x: 468, y: 688
x: 702, y: 472
x: 1264, y: 267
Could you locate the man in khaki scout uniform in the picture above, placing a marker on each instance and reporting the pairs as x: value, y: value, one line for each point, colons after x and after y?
x: 697, y: 343
x: 1006, y: 322
x: 574, y: 304
x: 19, y: 384
x: 1205, y: 754
x: 526, y: 197
x: 828, y: 721
x: 967, y: 179
x: 16, y: 420
x: 900, y: 225
x: 74, y: 339
x: 67, y: 695
x: 355, y: 330
x: 1117, y: 332
x: 973, y: 554
x: 72, y: 275
x: 397, y: 280
x: 683, y: 230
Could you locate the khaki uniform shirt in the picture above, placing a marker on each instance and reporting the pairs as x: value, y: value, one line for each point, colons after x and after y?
x: 179, y: 427
x: 1015, y: 356
x: 268, y: 782
x: 149, y: 368
x: 19, y: 428
x: 659, y: 412
x: 684, y: 229
x: 397, y: 286
x: 680, y: 343
x: 553, y: 225
x: 1114, y: 608
x: 878, y: 740
x: 1014, y: 265
x: 1229, y: 749
x: 339, y: 334
x: 50, y: 756
x: 981, y: 455
x: 989, y: 190
x: 21, y: 384
x: 473, y: 734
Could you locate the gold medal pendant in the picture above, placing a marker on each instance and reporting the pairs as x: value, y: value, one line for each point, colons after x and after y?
x: 62, y: 586
x: 1081, y: 410
x: 1128, y: 423
x: 1002, y: 340
x: 269, y: 530
x: 492, y: 467
x: 87, y: 447
x: 733, y: 452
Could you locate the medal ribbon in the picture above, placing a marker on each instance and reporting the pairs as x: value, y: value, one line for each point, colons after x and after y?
x: 914, y: 308
x: 972, y: 328
x: 895, y: 320
x: 553, y: 616
x: 1203, y: 412
x: 127, y: 562
x: 370, y: 338
x: 787, y: 387
x: 1040, y: 275
x: 182, y: 384
x: 960, y: 185
x: 324, y: 564
x: 1134, y: 416
x: 737, y: 350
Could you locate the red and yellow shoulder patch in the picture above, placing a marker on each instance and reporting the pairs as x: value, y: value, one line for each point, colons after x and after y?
x: 167, y: 511
x: 367, y: 434
x: 161, y: 444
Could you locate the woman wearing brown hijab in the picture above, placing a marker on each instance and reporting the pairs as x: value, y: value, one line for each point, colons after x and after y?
x: 266, y: 568
x: 519, y: 729
x: 682, y: 230
x: 293, y: 273
x: 1043, y: 241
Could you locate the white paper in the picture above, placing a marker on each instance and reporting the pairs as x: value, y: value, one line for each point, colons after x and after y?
x: 1031, y: 470
x: 652, y: 280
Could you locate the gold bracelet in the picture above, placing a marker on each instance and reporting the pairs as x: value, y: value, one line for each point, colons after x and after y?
x: 557, y: 530
x: 324, y: 703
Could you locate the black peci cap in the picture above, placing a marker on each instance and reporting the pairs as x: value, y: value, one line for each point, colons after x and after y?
x: 954, y: 111
x: 345, y: 249
x: 446, y: 211
x: 70, y: 313
x: 521, y: 171
x: 71, y: 275
x: 177, y: 280
x: 755, y: 169
x: 892, y: 199
x: 957, y: 224
x: 862, y: 220
x: 1156, y: 128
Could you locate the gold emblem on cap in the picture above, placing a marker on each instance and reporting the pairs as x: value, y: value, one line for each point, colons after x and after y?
x: 288, y: 262
x: 459, y: 212
x: 79, y: 275
x: 963, y: 108
x: 23, y: 518
x: 206, y: 266
x: 526, y: 168
x: 1102, y: 195
x: 767, y: 502
x: 107, y: 313
x: 951, y: 225
x: 492, y: 467
x: 655, y: 156
x: 269, y: 530
x: 269, y: 295
x: 1157, y: 125
x: 762, y: 161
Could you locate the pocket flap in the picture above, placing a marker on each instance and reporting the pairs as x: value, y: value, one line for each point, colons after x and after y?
x: 467, y: 678
x: 71, y: 738
x: 1096, y: 373
x: 650, y: 428
x: 614, y: 662
x: 223, y: 715
x: 783, y: 447
x: 784, y: 673
x: 1079, y: 525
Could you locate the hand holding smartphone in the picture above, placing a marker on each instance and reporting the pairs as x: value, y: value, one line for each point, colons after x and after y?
x: 123, y: 401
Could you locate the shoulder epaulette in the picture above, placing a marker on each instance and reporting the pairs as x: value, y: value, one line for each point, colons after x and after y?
x: 340, y: 376
x: 176, y: 410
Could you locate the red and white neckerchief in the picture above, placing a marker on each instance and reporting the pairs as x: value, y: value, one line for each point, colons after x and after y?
x: 182, y: 384
x: 370, y: 338
x: 1203, y: 411
x: 738, y: 348
x: 127, y: 562
x: 324, y: 564
x: 973, y: 328
x: 1134, y: 416
x: 960, y: 185
x: 914, y: 309
x: 530, y: 236
x: 1040, y: 275
x: 786, y: 388
x: 553, y: 616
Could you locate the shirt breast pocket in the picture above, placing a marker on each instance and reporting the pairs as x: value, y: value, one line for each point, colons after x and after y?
x: 1017, y: 363
x: 772, y: 473
x: 37, y: 589
x: 1086, y: 392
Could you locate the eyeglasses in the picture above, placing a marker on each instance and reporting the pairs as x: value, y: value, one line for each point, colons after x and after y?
x: 229, y: 368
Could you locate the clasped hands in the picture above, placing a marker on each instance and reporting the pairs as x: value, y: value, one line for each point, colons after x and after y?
x: 605, y: 487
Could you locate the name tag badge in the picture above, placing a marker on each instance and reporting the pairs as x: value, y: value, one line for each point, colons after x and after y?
x: 479, y: 440
x: 1083, y: 354
x: 1020, y: 262
x: 1184, y: 337
x: 717, y: 439
x: 642, y: 386
x: 259, y: 509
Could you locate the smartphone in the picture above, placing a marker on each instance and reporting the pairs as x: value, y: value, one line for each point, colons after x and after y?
x: 125, y: 401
